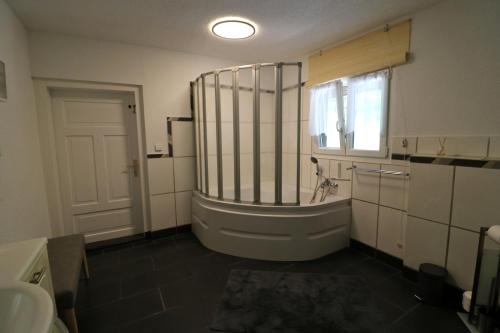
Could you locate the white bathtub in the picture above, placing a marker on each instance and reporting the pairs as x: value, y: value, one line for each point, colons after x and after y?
x: 283, y: 233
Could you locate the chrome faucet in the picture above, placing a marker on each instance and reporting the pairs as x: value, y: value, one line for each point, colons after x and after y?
x: 323, y: 183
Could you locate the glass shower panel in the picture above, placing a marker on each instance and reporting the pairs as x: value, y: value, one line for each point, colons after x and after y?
x: 196, y: 124
x: 211, y: 134
x: 291, y: 131
x: 226, y: 94
x: 267, y: 133
x: 246, y: 133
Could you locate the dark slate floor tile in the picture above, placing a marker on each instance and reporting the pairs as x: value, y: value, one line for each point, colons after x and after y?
x: 103, y: 260
x: 430, y: 319
x: 176, y: 320
x: 120, y: 312
x: 371, y: 270
x: 154, y: 279
x: 177, y: 254
x: 92, y: 293
x: 331, y: 263
x: 397, y: 290
x: 262, y: 265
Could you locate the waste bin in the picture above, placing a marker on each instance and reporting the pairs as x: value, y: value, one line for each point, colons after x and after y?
x: 431, y: 284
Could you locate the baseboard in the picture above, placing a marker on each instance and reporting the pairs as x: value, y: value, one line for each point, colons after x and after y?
x: 376, y: 253
x: 169, y: 232
x: 122, y: 242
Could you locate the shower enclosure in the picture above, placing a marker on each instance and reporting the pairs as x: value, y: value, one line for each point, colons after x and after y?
x: 247, y: 123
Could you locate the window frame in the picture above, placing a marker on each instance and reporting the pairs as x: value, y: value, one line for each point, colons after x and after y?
x: 346, y: 140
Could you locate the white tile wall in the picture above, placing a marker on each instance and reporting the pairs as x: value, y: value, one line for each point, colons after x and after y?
x: 162, y: 211
x: 462, y: 254
x: 425, y: 242
x: 391, y: 231
x: 471, y: 146
x: 494, y: 151
x: 476, y: 199
x: 182, y: 138
x: 339, y: 169
x: 430, y: 191
x: 305, y: 170
x: 184, y: 173
x: 227, y: 138
x: 398, y: 148
x: 365, y: 186
x: 183, y: 207
x: 364, y: 222
x: 393, y: 189
x: 161, y: 175
x: 306, y: 138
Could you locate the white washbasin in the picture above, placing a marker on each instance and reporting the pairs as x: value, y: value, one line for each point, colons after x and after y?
x: 25, y: 308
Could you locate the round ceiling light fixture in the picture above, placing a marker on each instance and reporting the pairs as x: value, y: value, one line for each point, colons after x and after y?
x: 233, y: 28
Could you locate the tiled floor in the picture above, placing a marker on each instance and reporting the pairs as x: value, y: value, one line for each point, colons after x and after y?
x: 173, y: 285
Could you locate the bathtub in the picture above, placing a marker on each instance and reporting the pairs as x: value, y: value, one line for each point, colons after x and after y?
x: 267, y: 232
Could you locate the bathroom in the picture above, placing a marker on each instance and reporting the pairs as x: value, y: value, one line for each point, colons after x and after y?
x: 185, y: 162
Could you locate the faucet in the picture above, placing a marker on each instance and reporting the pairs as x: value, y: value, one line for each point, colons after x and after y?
x: 323, y: 183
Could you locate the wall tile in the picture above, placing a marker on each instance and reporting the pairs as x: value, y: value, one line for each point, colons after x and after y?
x: 162, y: 211
x: 430, y: 191
x: 476, y: 198
x: 428, y: 145
x: 462, y: 254
x: 182, y: 138
x: 467, y: 146
x: 160, y: 175
x: 393, y: 188
x: 365, y: 186
x: 494, y: 151
x: 267, y: 138
x: 212, y: 175
x: 184, y: 168
x: 425, y: 242
x: 305, y: 171
x: 305, y: 103
x: 364, y: 222
x: 246, y: 138
x: 391, y: 231
x: 183, y: 207
x: 397, y: 145
x: 306, y: 138
x: 339, y: 169
x: 226, y: 102
x: 227, y: 138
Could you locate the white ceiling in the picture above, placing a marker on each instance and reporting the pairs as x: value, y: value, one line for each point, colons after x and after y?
x: 287, y: 29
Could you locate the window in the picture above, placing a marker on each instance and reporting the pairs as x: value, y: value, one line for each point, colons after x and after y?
x: 350, y: 115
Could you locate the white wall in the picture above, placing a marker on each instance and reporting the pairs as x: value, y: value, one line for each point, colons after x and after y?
x: 23, y: 201
x: 164, y: 75
x: 451, y: 86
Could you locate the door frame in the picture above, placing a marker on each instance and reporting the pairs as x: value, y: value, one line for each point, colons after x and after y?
x: 43, y: 88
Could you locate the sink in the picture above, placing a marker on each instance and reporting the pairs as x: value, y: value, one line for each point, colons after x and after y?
x: 25, y: 308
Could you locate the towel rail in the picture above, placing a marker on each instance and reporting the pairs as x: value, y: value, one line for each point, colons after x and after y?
x: 380, y: 171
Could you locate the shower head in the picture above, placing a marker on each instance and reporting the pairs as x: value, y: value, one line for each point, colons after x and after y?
x: 314, y: 160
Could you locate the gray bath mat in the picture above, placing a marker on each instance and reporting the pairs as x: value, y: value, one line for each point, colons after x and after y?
x: 269, y: 302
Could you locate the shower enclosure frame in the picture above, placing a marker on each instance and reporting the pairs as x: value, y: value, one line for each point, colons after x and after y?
x: 199, y: 105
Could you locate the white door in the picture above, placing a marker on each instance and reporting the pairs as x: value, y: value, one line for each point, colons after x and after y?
x: 97, y: 154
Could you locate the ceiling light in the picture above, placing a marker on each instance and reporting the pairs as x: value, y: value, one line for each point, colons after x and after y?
x: 233, y: 28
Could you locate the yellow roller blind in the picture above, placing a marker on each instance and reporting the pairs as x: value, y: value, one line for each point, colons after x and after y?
x: 373, y: 51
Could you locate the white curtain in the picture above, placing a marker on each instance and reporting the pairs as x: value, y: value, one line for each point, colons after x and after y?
x: 320, y: 95
x: 366, y: 102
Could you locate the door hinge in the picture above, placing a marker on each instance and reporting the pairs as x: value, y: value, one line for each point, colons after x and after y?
x: 132, y: 107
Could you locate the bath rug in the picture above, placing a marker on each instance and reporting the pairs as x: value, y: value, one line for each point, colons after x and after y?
x: 271, y: 302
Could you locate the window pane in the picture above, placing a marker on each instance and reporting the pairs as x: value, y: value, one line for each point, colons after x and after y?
x: 324, y: 115
x: 332, y: 118
x: 366, y: 110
